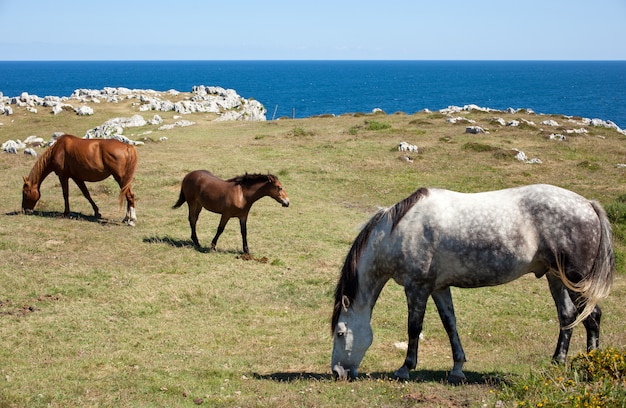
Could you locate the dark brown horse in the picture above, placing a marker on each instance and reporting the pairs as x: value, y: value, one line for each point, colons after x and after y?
x: 231, y: 198
x: 84, y: 160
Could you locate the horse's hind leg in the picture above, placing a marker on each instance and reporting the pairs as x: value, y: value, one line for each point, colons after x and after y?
x: 445, y: 307
x: 194, y: 212
x: 567, y: 315
x: 131, y: 216
x: 220, y: 229
x: 85, y: 191
x: 592, y: 325
x: 591, y: 322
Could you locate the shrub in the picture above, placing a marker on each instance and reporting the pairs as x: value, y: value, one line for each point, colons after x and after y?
x: 299, y: 131
x: 616, y: 211
x: 591, y: 166
x: 609, y: 364
x: 479, y: 147
x: 594, y: 379
x: 373, y: 125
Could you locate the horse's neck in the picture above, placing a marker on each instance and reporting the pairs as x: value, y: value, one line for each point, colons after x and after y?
x: 254, y: 192
x: 370, y: 287
x: 40, y: 171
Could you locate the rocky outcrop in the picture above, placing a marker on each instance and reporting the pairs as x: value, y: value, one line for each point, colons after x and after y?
x: 225, y: 103
x: 454, y: 110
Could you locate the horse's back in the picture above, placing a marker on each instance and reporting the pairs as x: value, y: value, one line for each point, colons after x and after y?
x: 94, y: 159
x: 201, y: 187
x: 95, y: 147
x: 201, y: 179
x: 540, y: 211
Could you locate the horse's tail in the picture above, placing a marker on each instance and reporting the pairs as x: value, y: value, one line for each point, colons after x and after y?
x: 181, y: 199
x: 596, y: 285
x: 129, y: 172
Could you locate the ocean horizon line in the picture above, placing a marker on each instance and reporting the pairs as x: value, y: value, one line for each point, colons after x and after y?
x: 313, y: 60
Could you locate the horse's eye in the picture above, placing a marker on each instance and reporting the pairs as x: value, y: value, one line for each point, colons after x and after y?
x: 340, y: 334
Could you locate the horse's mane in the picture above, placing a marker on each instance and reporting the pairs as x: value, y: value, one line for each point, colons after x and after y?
x: 247, y: 179
x: 41, y: 165
x: 348, y: 283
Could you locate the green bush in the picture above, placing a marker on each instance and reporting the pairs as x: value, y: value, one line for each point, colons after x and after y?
x: 299, y: 131
x: 594, y: 379
x: 479, y: 147
x: 373, y: 125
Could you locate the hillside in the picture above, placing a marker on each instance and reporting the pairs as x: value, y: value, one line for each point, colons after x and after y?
x: 96, y: 313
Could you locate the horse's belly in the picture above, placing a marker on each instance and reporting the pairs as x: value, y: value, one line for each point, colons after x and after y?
x: 480, y: 269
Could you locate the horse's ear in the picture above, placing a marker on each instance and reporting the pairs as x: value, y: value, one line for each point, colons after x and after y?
x: 345, y: 302
x: 26, y: 181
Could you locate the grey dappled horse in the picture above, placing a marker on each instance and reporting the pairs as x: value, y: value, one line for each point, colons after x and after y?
x: 436, y: 238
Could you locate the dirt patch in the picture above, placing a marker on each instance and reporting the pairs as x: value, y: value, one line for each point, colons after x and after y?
x: 10, y: 308
x: 248, y: 257
x: 432, y: 400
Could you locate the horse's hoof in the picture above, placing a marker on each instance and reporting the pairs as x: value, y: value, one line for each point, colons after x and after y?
x: 456, y: 379
x: 402, y: 373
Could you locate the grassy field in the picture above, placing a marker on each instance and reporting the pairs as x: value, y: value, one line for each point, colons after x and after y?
x: 95, y: 313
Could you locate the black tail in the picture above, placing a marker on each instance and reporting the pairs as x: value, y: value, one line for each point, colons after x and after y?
x: 181, y: 200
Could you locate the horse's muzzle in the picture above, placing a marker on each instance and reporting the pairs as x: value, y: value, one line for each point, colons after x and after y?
x: 285, y: 202
x: 340, y: 373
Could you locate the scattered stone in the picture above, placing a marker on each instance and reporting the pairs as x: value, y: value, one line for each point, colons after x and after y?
x: 84, y: 111
x: 474, y: 130
x: 550, y: 122
x: 407, y: 147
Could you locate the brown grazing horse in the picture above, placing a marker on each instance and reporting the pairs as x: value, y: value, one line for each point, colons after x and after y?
x: 84, y: 160
x: 231, y: 198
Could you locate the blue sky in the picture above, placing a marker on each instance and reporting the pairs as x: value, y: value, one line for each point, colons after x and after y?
x: 307, y: 30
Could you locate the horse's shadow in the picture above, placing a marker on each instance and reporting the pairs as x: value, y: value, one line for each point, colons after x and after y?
x: 71, y: 216
x: 184, y: 243
x: 436, y: 376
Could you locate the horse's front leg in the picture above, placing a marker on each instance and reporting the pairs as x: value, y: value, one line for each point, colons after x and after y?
x: 66, y: 194
x: 416, y: 296
x: 445, y: 307
x: 244, y: 233
x: 85, y: 191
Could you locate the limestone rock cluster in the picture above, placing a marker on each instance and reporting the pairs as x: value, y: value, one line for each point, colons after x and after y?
x: 225, y: 103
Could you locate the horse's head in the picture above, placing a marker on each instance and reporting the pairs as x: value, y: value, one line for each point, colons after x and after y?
x: 277, y: 191
x: 30, y: 195
x: 352, y: 336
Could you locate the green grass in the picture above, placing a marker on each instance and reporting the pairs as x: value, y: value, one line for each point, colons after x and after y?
x: 100, y: 314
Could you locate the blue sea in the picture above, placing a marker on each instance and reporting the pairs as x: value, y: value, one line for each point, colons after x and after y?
x: 591, y: 89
